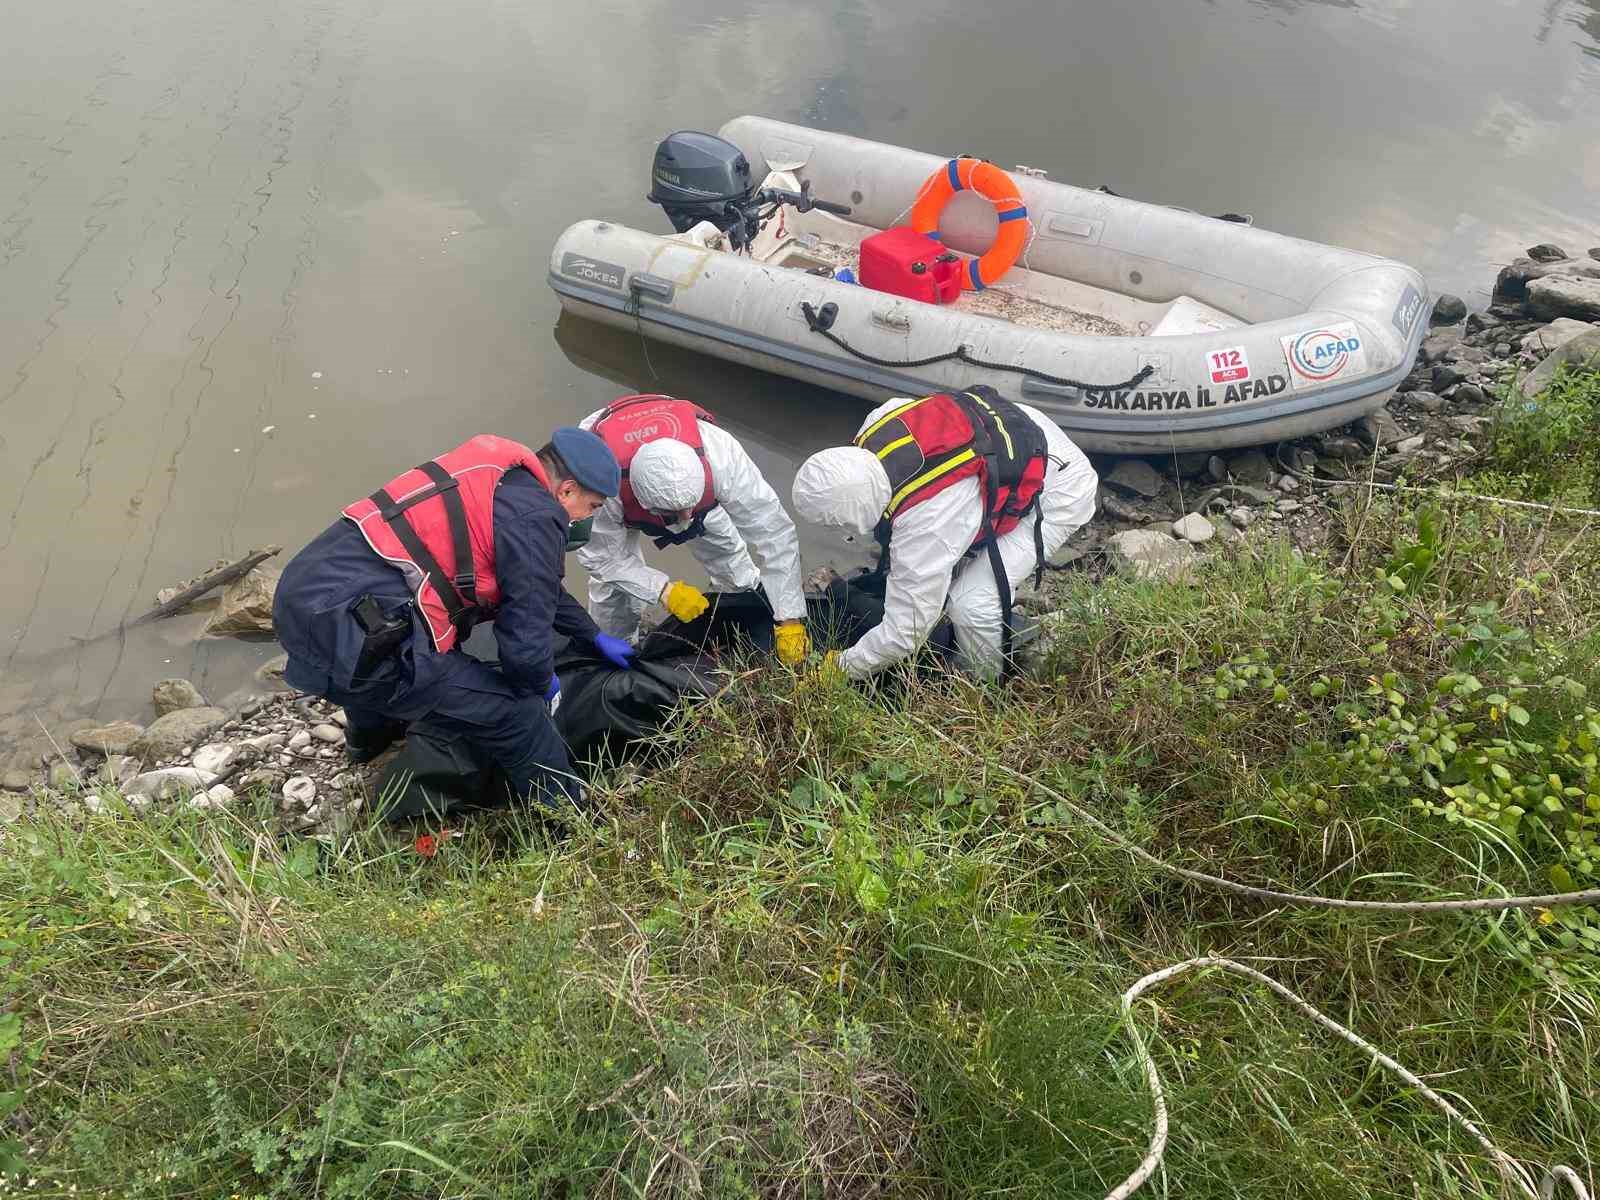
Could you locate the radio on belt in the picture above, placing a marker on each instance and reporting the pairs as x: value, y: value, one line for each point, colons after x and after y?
x: 911, y: 264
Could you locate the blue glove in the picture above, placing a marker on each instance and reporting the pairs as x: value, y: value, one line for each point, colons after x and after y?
x: 552, y: 695
x: 614, y: 650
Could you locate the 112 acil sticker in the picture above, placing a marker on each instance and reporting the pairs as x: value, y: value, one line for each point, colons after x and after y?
x: 1228, y: 366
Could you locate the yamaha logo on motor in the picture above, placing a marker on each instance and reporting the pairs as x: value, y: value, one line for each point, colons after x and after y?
x: 593, y: 270
x: 1322, y: 354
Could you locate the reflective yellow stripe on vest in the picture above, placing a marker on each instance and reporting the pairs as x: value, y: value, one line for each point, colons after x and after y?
x: 895, y: 445
x: 861, y: 438
x: 927, y: 477
x: 998, y: 423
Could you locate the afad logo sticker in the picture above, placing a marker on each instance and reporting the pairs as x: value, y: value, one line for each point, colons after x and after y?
x: 1333, y: 352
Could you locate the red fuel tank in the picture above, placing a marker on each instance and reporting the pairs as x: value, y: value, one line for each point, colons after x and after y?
x: 907, y: 263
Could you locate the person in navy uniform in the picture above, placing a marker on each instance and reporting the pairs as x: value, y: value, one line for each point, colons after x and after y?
x: 374, y: 611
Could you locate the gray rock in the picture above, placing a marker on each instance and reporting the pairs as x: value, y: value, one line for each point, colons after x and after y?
x: 220, y: 794
x: 1216, y: 468
x: 1232, y: 493
x: 16, y: 779
x: 1440, y: 345
x: 173, y: 695
x: 1544, y: 252
x: 1190, y: 465
x: 1288, y: 484
x: 300, y: 739
x: 1423, y: 401
x: 1148, y: 554
x: 1478, y: 322
x: 109, y: 740
x: 1289, y: 506
x: 1565, y: 296
x: 1334, y: 468
x: 1582, y: 350
x: 1345, y: 447
x: 1135, y: 477
x: 1241, y: 518
x: 1514, y: 280
x: 1194, y: 529
x: 1410, y: 445
x: 166, y: 736
x: 10, y: 808
x: 300, y: 791
x: 331, y: 734
x: 1446, y: 376
x: 1252, y: 468
x: 1555, y: 335
x: 343, y: 722
x: 246, y: 605
x: 266, y: 741
x: 168, y: 782
x: 1379, y: 428
x: 1465, y: 426
x: 1468, y: 394
x: 119, y: 769
x: 63, y: 776
x: 1594, y: 253
x: 1504, y: 349
x: 1448, y: 309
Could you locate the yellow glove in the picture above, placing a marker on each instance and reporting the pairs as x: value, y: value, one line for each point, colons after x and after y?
x: 684, y: 601
x: 793, y: 642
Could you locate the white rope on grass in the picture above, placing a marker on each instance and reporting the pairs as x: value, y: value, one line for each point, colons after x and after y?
x: 1509, y: 1168
x: 1445, y: 494
x: 1480, y: 904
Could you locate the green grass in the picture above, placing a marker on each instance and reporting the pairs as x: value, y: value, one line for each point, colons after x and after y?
x: 815, y: 949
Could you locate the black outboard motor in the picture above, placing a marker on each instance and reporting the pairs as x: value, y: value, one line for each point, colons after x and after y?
x: 699, y: 177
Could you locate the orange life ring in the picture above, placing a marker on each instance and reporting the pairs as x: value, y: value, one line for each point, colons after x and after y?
x: 989, y: 181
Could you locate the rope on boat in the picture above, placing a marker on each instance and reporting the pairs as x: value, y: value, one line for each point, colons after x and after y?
x: 820, y: 322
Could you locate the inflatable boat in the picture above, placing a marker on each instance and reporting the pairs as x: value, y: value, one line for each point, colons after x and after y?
x: 881, y: 271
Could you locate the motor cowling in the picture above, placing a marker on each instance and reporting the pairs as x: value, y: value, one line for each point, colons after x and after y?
x: 700, y: 177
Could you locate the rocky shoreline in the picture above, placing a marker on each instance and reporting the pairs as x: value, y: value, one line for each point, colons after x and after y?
x: 1156, y: 518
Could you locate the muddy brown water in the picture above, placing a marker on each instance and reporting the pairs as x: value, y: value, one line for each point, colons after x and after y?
x: 257, y: 257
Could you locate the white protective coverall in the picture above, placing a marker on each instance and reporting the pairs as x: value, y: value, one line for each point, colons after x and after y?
x: 847, y: 487
x: 748, y: 517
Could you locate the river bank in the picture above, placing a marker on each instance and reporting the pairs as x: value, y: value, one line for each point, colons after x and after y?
x: 826, y: 945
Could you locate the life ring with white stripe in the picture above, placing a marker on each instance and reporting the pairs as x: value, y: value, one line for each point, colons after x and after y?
x: 989, y: 181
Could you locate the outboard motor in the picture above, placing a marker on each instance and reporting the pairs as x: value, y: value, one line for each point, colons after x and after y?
x: 699, y: 177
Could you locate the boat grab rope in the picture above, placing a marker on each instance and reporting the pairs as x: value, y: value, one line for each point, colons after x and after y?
x: 1512, y: 1170
x: 822, y: 321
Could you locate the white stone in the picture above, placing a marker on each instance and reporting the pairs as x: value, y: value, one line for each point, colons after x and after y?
x: 215, y: 757
x: 1288, y: 484
x: 168, y: 782
x: 331, y: 734
x: 1194, y: 529
x: 1410, y: 444
x: 302, y: 738
x: 1240, y: 518
x: 339, y: 718
x: 1150, y: 554
x: 267, y: 741
x: 220, y: 794
x: 301, y: 789
x: 1555, y: 335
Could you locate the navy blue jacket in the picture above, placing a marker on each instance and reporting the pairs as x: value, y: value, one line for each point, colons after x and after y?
x: 312, y: 619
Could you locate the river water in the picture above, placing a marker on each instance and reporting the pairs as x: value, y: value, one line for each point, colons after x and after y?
x: 255, y: 258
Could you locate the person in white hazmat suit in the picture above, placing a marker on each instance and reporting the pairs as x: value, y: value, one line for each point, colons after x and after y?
x: 684, y: 480
x: 913, y: 479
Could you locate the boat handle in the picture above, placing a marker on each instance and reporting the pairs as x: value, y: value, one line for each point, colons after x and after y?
x: 1039, y: 389
x: 890, y: 319
x: 654, y: 286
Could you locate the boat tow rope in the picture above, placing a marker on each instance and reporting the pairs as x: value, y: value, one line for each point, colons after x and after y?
x: 821, y: 321
x: 1513, y: 1171
x: 1509, y: 1167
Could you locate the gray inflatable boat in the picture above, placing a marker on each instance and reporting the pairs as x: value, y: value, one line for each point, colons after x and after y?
x: 1140, y: 328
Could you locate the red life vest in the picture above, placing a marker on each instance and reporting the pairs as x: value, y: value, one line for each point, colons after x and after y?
x: 436, y: 523
x: 929, y: 444
x: 635, y: 421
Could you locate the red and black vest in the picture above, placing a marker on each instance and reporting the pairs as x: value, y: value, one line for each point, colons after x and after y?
x: 635, y: 421
x: 929, y: 444
x: 436, y: 523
